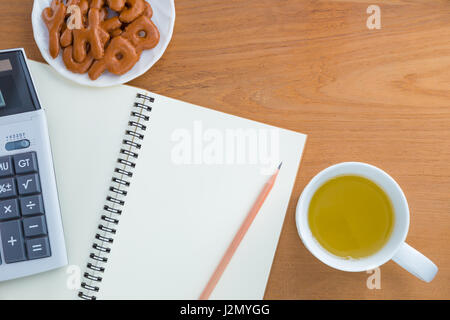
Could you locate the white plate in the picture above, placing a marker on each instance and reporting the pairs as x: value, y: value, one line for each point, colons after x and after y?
x: 163, y: 18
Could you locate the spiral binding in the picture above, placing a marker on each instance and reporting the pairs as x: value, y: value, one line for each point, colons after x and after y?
x: 101, y: 247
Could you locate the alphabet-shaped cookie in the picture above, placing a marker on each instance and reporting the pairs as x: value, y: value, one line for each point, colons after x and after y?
x: 116, y: 5
x: 132, y: 10
x: 142, y: 33
x: 116, y: 32
x: 74, y: 66
x: 66, y: 37
x: 97, y: 4
x: 53, y: 17
x: 120, y: 57
x: 111, y: 24
x: 100, y: 4
x: 93, y: 35
x: 148, y: 12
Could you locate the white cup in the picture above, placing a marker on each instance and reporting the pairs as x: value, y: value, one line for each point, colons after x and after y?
x: 396, y: 248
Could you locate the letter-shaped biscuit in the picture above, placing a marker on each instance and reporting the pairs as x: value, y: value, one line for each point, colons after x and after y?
x: 116, y: 32
x: 93, y: 35
x: 97, y: 4
x: 132, y: 10
x: 111, y: 24
x: 53, y: 17
x: 148, y: 12
x: 120, y: 57
x: 74, y: 66
x: 100, y: 4
x: 116, y: 5
x: 142, y: 33
x: 66, y: 37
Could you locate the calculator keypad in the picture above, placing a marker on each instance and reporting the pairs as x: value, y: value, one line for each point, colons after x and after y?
x: 28, y: 184
x: 25, y: 162
x: 38, y: 248
x: 9, y: 209
x: 7, y: 188
x: 6, y: 167
x: 23, y: 227
x: 31, y: 205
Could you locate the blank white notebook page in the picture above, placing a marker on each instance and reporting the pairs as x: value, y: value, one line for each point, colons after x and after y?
x: 185, y: 205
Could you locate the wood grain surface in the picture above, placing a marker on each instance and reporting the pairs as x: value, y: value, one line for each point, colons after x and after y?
x: 377, y: 96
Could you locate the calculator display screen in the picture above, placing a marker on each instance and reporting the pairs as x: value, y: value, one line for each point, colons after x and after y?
x: 17, y: 93
x: 5, y: 65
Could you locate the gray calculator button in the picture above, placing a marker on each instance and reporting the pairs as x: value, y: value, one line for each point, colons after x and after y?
x: 25, y: 162
x: 28, y: 184
x: 6, y: 168
x: 7, y: 188
x: 34, y: 226
x: 9, y: 209
x: 38, y: 248
x: 31, y: 205
x: 12, y: 240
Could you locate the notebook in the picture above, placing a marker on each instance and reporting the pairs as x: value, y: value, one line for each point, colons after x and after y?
x: 152, y: 191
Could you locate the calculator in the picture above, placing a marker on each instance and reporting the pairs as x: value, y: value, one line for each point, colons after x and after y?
x: 31, y: 231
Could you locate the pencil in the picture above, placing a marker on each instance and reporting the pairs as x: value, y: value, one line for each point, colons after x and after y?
x: 239, y: 236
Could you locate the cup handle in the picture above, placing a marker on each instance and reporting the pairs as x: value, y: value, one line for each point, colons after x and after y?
x: 413, y: 261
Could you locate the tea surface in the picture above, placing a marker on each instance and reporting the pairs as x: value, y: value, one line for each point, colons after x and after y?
x: 351, y: 216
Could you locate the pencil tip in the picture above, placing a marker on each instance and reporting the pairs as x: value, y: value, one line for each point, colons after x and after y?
x: 280, y: 165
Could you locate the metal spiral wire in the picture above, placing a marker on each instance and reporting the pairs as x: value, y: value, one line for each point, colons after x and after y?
x: 101, y: 247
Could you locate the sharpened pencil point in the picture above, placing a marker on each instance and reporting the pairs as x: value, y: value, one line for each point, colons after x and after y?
x: 280, y: 165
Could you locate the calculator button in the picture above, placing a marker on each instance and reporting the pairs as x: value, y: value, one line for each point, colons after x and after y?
x: 6, y: 168
x: 12, y: 241
x: 28, y: 184
x: 34, y: 226
x: 38, y: 248
x: 9, y: 209
x: 25, y: 162
x: 31, y: 205
x: 7, y: 188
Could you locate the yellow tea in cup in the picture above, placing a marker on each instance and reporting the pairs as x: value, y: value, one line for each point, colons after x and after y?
x: 351, y: 216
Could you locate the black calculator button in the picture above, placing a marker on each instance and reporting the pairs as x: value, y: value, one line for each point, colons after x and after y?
x: 6, y: 167
x: 9, y: 209
x: 34, y: 226
x: 7, y: 188
x: 25, y: 162
x: 28, y: 184
x: 12, y: 241
x: 31, y: 205
x: 38, y: 248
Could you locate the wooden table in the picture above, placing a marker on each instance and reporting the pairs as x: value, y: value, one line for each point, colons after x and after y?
x: 378, y: 96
